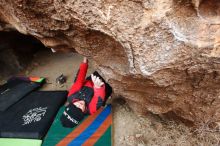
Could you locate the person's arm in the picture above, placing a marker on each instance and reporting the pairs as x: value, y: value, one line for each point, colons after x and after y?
x: 99, y: 94
x: 97, y: 100
x: 80, y: 77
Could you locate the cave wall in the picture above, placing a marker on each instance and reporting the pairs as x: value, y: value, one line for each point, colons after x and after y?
x: 161, y: 55
x: 16, y: 52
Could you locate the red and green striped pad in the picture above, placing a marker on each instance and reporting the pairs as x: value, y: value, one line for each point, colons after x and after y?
x: 32, y: 79
x: 36, y: 79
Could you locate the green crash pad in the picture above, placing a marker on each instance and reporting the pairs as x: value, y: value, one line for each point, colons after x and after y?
x: 19, y: 142
x: 93, y: 130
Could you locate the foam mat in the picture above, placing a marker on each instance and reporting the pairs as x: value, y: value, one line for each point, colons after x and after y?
x: 94, y: 130
x: 19, y: 142
x: 32, y: 116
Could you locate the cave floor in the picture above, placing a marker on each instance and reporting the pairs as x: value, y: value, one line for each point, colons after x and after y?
x: 129, y: 129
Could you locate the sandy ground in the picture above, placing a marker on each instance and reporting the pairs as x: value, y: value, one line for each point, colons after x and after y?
x: 129, y: 129
x: 51, y: 65
x: 135, y: 130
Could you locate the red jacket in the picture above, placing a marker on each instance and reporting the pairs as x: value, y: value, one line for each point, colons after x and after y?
x: 85, y: 89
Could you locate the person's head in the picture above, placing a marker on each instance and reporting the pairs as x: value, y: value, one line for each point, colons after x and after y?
x: 80, y: 104
x: 71, y: 116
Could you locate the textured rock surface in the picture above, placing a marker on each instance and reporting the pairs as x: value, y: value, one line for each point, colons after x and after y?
x: 162, y: 56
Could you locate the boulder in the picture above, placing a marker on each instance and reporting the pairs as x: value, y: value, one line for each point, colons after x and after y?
x: 162, y: 56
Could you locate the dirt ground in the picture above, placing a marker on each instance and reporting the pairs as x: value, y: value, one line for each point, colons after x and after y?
x: 129, y: 129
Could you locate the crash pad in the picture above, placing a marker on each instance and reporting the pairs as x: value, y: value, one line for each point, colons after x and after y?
x: 93, y: 130
x: 19, y: 142
x: 16, y: 88
x: 32, y: 116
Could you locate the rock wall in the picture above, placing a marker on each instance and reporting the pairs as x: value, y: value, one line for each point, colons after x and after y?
x: 161, y: 55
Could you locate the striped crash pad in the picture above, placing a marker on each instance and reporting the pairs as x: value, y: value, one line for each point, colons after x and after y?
x: 95, y: 130
x: 19, y: 142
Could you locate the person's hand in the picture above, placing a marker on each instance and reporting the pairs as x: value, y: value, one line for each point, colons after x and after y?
x: 66, y: 103
x: 97, y: 81
x: 85, y: 60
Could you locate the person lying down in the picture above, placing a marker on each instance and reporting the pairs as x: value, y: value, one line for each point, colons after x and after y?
x: 85, y: 96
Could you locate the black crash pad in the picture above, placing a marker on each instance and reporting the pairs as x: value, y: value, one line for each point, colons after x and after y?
x: 15, y: 89
x: 32, y: 116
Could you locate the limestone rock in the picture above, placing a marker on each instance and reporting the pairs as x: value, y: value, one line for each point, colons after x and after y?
x: 161, y: 55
